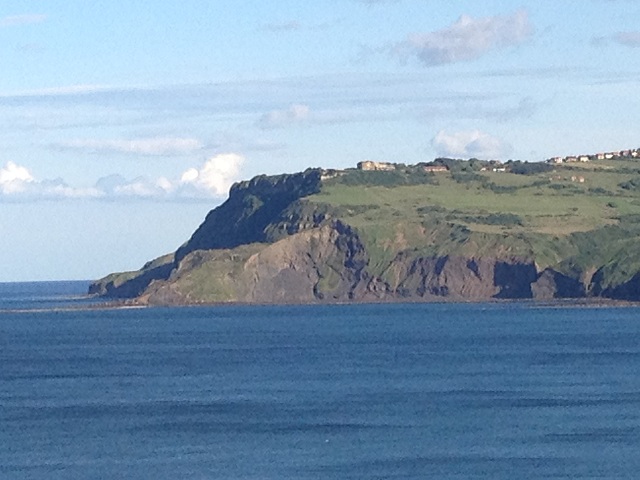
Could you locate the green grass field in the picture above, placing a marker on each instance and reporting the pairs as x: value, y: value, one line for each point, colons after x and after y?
x: 547, y: 203
x: 493, y: 212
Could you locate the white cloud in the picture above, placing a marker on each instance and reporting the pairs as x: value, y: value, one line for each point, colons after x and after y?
x: 295, y: 114
x: 155, y: 146
x: 13, y: 20
x: 215, y: 176
x: 470, y: 144
x: 212, y: 179
x: 14, y: 178
x: 467, y: 39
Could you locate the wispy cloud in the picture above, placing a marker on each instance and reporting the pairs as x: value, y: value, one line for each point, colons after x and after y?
x: 376, y: 2
x: 30, y: 48
x: 286, y: 26
x: 68, y: 90
x: 289, y: 26
x: 466, y: 39
x: 212, y: 179
x: 156, y: 146
x: 470, y: 144
x: 486, y: 108
x: 14, y: 20
x: 628, y: 39
x: 294, y: 114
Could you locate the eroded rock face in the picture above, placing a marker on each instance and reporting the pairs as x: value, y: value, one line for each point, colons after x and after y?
x: 306, y: 267
x: 322, y: 264
x: 329, y: 264
x: 455, y: 277
x: 461, y: 278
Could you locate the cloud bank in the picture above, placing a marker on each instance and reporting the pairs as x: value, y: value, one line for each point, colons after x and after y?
x: 470, y: 144
x: 210, y: 180
x: 466, y: 39
x: 18, y: 183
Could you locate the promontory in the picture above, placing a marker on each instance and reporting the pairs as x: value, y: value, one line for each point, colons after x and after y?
x: 449, y: 229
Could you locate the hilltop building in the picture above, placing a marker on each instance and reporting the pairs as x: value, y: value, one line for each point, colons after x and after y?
x: 435, y: 168
x: 370, y: 165
x: 632, y: 153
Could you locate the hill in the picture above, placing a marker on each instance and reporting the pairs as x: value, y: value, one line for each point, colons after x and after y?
x: 462, y: 230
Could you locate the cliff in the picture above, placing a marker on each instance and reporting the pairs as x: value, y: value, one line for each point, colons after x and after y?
x: 406, y: 234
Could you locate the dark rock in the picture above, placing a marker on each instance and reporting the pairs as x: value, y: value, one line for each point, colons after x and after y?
x: 552, y: 284
x: 251, y: 208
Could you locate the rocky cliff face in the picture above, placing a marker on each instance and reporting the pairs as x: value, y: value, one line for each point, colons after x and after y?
x: 329, y: 264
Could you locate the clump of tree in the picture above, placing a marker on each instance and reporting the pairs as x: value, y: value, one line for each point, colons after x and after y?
x: 468, y: 177
x: 394, y: 178
x: 527, y: 168
x: 632, y: 184
x: 503, y: 219
x: 459, y: 165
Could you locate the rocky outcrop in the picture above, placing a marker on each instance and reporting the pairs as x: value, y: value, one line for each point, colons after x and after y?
x: 551, y: 284
x: 444, y: 277
x: 325, y: 264
x: 133, y: 284
x: 322, y: 264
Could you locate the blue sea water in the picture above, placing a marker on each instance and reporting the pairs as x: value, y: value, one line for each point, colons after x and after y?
x: 452, y: 391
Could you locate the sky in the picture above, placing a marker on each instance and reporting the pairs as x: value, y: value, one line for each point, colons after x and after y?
x: 122, y: 123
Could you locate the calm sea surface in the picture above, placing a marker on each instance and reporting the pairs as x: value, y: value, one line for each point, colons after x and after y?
x: 492, y: 391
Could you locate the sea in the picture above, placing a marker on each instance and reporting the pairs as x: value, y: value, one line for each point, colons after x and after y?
x: 380, y: 391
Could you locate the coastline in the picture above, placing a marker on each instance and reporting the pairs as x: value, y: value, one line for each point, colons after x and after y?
x: 128, y: 305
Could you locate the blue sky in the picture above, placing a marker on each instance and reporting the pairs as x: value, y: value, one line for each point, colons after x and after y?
x: 123, y: 123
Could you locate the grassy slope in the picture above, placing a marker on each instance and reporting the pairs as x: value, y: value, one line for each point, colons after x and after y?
x: 542, y: 216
